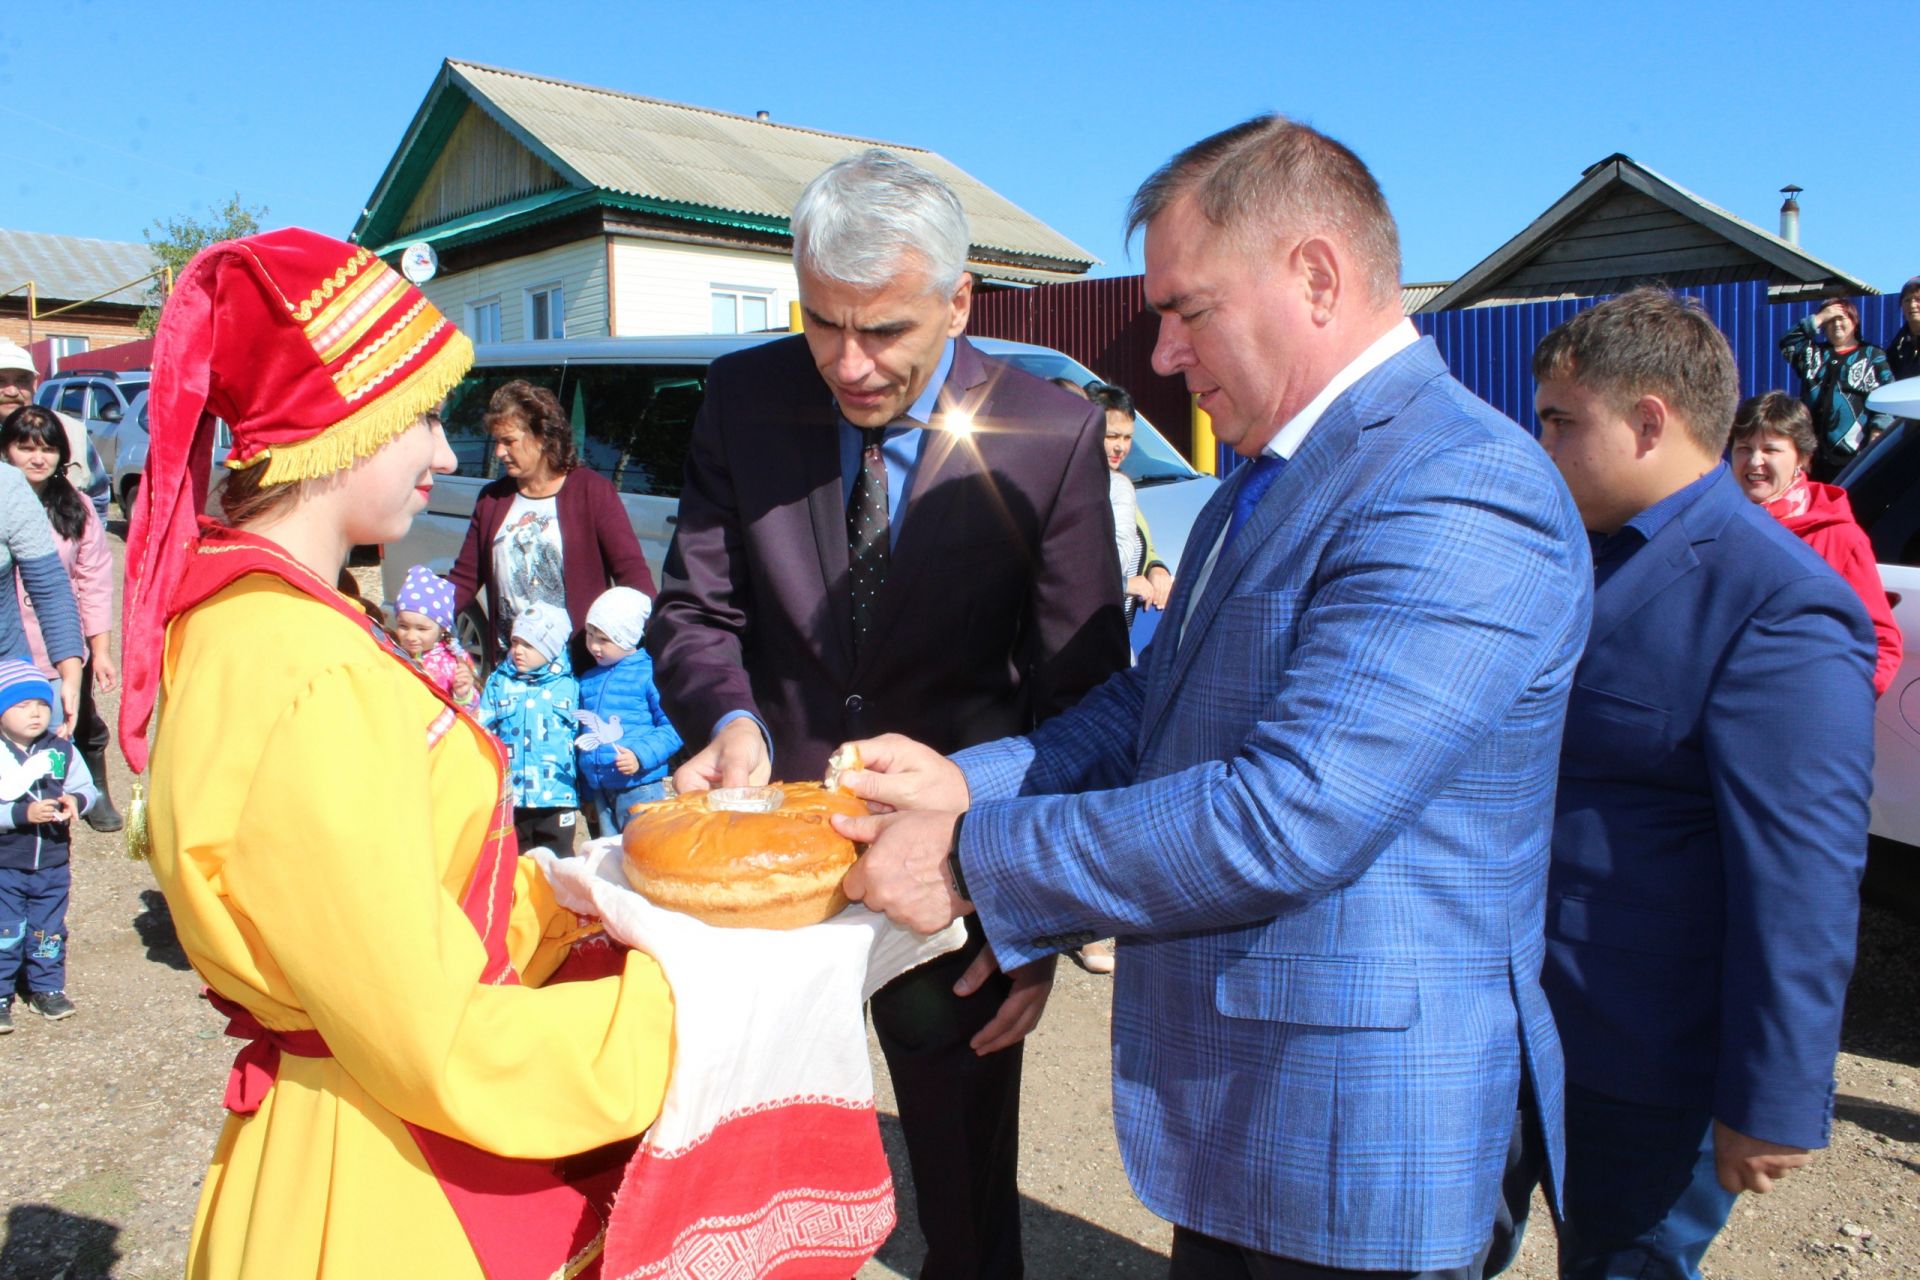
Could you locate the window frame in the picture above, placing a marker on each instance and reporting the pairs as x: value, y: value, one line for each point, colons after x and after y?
x: 738, y: 294
x: 554, y: 292
x: 474, y: 308
x: 99, y: 396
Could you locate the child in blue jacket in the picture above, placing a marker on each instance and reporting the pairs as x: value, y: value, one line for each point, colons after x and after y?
x: 528, y: 704
x: 625, y: 740
x: 44, y: 788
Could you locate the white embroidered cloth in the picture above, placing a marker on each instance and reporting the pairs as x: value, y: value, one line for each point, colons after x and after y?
x: 766, y: 1158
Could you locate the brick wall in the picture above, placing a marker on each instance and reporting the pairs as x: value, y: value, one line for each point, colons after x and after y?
x: 101, y: 326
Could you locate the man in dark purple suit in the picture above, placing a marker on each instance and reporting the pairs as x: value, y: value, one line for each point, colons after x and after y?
x: 883, y: 530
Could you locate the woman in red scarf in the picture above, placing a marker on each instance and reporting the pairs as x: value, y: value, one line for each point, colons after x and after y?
x: 1773, y: 444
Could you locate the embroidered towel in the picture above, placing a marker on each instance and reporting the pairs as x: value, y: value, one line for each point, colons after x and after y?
x: 766, y: 1159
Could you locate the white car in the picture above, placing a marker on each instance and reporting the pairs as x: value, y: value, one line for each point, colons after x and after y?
x: 633, y: 401
x: 1883, y: 485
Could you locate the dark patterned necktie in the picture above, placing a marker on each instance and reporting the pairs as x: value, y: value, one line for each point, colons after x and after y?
x: 867, y: 534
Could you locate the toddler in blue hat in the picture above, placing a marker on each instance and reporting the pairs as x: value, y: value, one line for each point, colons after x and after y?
x: 44, y: 787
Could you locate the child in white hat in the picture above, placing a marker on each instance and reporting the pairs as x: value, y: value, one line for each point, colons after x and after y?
x: 625, y: 739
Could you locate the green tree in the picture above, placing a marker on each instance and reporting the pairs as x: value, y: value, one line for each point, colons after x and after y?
x: 175, y: 240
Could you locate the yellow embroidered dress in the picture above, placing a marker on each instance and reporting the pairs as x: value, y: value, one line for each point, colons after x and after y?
x: 314, y: 845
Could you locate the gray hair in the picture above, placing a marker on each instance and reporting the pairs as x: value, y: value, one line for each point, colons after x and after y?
x: 1281, y: 176
x: 856, y: 221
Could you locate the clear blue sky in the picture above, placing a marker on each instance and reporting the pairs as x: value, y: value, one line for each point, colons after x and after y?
x: 1474, y: 117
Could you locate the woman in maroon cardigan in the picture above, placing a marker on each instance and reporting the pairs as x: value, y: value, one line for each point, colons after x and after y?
x: 549, y: 530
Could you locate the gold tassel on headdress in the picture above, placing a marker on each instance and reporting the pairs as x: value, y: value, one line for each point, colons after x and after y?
x: 367, y: 430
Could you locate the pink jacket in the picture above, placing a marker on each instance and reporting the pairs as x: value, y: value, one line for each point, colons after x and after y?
x: 442, y: 663
x: 89, y: 565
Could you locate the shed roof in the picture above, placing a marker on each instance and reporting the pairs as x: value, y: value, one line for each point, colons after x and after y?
x: 1416, y: 294
x: 71, y: 268
x: 684, y: 160
x: 1623, y: 224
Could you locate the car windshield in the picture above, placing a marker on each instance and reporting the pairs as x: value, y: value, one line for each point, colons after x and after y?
x: 1152, y: 461
x: 1880, y: 489
x: 131, y: 387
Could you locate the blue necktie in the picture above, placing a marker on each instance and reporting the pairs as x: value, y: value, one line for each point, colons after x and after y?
x: 1261, y: 473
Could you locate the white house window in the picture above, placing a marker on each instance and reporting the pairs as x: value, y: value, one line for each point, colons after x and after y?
x: 483, y: 320
x: 546, y: 312
x: 64, y: 347
x: 740, y: 310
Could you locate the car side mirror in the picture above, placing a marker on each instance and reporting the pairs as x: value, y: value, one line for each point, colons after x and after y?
x: 111, y: 412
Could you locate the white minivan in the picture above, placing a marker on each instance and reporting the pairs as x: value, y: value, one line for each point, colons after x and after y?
x: 633, y: 402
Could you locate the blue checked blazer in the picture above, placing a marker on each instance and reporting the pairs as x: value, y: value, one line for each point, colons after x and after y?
x: 1319, y: 824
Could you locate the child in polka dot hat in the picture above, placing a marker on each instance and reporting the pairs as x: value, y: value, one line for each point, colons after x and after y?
x: 423, y: 627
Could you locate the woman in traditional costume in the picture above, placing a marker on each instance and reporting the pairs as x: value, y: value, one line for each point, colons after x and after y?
x: 419, y: 1094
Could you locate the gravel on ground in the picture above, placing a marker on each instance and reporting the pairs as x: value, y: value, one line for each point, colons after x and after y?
x: 111, y: 1116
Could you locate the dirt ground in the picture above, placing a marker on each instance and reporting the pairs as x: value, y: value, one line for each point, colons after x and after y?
x: 110, y: 1117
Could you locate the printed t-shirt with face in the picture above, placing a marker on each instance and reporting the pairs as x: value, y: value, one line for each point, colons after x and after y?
x: 526, y: 560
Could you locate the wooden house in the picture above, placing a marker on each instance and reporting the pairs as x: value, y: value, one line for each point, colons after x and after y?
x: 562, y: 210
x: 1623, y: 225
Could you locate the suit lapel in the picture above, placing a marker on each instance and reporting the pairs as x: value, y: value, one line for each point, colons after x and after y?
x: 1667, y: 557
x: 827, y: 512
x: 1165, y: 655
x: 1376, y: 398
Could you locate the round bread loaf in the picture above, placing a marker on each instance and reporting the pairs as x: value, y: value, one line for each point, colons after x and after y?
x: 744, y: 857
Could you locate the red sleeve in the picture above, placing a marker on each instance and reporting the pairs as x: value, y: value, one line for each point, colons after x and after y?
x: 619, y: 546
x: 466, y: 572
x: 1851, y: 553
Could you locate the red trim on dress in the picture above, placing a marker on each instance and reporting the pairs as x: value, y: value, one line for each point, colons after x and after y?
x: 526, y: 1219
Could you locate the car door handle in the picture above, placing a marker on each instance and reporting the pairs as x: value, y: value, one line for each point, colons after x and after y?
x: 673, y: 519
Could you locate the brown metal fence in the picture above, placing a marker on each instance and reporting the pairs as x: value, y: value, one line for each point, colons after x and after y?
x: 1106, y: 326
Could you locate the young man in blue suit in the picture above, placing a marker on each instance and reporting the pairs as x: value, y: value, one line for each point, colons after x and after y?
x: 1712, y: 815
x: 1317, y: 813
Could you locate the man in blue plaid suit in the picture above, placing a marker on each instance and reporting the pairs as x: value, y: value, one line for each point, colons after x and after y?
x: 1317, y: 813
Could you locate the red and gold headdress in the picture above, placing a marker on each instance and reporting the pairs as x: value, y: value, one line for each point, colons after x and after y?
x: 316, y: 353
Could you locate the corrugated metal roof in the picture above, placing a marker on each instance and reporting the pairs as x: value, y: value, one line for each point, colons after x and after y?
x: 69, y: 268
x: 1021, y: 275
x: 693, y: 155
x: 1415, y: 296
